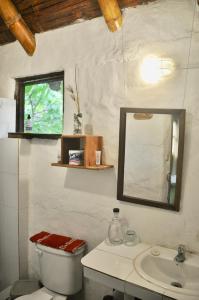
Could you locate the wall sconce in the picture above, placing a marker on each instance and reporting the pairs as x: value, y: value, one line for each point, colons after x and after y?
x: 153, y: 69
x: 112, y: 14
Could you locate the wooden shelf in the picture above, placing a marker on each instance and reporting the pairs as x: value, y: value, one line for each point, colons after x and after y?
x: 89, y: 144
x: 100, y: 167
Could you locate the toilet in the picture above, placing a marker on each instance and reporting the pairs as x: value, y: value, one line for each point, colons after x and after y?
x: 60, y: 273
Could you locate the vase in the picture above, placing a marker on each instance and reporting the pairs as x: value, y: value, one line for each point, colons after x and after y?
x: 77, y: 125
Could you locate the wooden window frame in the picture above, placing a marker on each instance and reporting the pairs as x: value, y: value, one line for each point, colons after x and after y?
x: 20, y: 94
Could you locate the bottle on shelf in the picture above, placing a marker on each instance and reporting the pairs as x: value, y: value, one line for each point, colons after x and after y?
x: 28, y: 124
x: 115, y: 232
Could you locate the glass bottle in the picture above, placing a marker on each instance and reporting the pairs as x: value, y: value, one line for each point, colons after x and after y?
x: 115, y: 233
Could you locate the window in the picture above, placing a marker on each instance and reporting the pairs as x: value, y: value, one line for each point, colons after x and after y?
x: 41, y: 98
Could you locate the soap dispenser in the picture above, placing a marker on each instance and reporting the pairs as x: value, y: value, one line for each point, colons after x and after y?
x: 115, y: 233
x: 29, y: 124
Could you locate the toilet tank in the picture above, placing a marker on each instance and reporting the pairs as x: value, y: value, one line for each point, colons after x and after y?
x: 60, y: 271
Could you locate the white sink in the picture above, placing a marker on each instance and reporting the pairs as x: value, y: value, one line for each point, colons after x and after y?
x: 163, y: 271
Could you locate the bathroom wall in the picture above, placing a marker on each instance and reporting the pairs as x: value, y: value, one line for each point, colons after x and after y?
x: 9, y: 254
x: 9, y: 261
x: 13, y: 201
x: 79, y: 202
x: 24, y: 183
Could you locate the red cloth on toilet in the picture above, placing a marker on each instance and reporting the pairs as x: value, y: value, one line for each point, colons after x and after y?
x: 57, y: 241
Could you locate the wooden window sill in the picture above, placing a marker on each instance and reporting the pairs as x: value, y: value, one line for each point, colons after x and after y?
x: 30, y: 135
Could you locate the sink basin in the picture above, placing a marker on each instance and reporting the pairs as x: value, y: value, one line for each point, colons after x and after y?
x: 157, y: 266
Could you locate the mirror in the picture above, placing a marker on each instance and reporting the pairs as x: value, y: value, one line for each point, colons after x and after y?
x: 150, y: 156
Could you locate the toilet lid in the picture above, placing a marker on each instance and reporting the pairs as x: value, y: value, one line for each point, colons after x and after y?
x: 36, y: 297
x: 43, y: 294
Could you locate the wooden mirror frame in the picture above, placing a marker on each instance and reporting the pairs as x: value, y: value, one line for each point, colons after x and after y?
x: 180, y: 113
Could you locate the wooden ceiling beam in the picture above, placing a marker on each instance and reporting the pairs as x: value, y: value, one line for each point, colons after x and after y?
x: 112, y: 14
x: 44, y: 15
x: 17, y: 26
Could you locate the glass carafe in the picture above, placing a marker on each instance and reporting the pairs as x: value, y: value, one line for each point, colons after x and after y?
x: 115, y: 232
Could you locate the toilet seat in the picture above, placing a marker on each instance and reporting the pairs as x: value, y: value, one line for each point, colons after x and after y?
x: 43, y: 294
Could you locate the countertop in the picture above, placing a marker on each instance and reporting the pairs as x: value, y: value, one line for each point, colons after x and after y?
x: 114, y: 266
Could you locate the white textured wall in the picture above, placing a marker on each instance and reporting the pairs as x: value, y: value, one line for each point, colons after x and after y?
x: 9, y: 200
x: 9, y: 209
x: 79, y: 202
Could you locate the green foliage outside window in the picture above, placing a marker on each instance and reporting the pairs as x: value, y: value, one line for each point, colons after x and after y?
x: 44, y: 103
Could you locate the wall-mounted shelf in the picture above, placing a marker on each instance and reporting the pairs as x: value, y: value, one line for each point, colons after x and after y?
x: 100, y: 167
x: 89, y: 144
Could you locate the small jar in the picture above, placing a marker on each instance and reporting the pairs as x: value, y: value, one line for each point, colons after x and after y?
x: 131, y: 238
